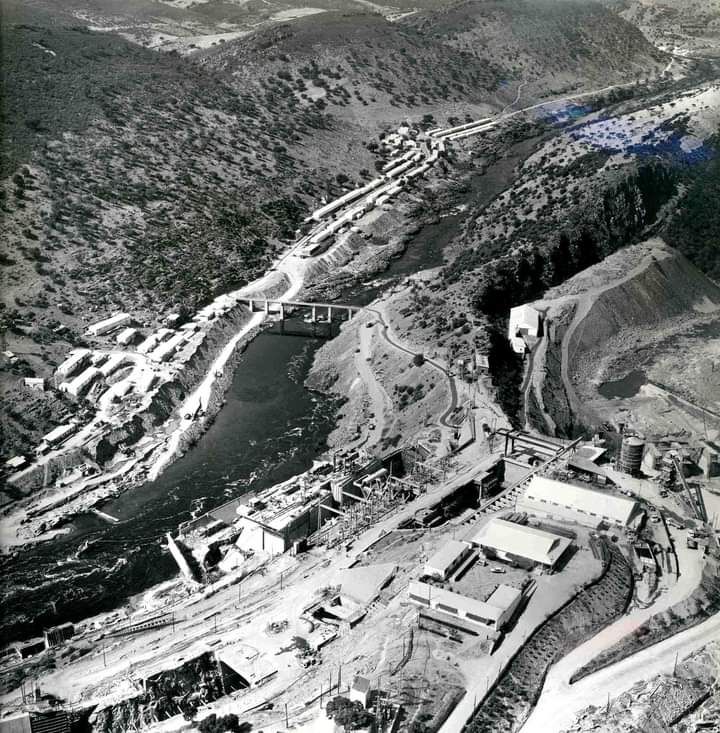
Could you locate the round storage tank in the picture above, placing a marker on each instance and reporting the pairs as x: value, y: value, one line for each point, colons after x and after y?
x: 631, y: 454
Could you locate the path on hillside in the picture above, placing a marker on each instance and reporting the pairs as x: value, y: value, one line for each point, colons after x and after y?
x: 451, y: 381
x: 557, y: 688
x: 584, y: 304
x: 558, y: 712
x: 380, y: 402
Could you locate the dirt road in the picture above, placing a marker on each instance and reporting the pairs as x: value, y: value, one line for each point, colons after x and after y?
x: 557, y: 690
x: 557, y: 711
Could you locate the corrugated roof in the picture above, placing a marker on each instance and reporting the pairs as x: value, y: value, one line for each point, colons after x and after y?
x: 600, y: 503
x: 517, y: 539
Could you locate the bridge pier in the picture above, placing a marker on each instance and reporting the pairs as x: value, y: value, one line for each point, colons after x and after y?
x: 330, y: 312
x: 267, y: 307
x: 314, y: 314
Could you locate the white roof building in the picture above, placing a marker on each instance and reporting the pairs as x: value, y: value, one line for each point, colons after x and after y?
x: 126, y: 336
x: 75, y: 360
x: 77, y: 386
x: 478, y: 616
x: 109, y: 324
x: 555, y: 499
x: 524, y: 321
x: 112, y: 364
x: 447, y: 559
x: 511, y: 541
x: 59, y: 433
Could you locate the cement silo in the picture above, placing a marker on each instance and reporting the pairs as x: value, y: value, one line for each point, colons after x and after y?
x: 631, y: 455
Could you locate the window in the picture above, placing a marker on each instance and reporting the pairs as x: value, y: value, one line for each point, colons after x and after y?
x: 482, y: 620
x: 449, y: 609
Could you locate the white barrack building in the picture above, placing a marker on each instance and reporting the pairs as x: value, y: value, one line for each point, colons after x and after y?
x: 109, y: 324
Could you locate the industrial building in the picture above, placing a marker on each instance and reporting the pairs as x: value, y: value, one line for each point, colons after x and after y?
x: 546, y: 497
x: 467, y: 614
x: 525, y: 326
x: 289, y: 512
x: 448, y: 559
x: 109, y: 324
x: 520, y: 545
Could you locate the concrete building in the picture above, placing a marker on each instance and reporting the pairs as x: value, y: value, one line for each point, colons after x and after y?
x: 521, y: 545
x: 557, y: 500
x: 76, y: 360
x: 525, y: 324
x: 448, y: 559
x: 15, y: 463
x: 58, y: 634
x: 360, y: 690
x: 273, y: 520
x: 167, y: 348
x: 80, y: 384
x: 109, y: 324
x: 467, y: 614
x: 148, y: 344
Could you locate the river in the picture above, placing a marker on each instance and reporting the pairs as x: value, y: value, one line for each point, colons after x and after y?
x: 270, y: 428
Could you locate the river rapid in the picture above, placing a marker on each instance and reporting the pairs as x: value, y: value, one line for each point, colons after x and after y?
x: 270, y: 428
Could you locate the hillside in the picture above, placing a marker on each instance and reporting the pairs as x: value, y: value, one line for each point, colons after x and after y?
x: 643, y: 307
x: 685, y: 27
x: 151, y: 182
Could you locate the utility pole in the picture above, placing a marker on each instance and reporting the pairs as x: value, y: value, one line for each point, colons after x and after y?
x: 173, y: 622
x: 675, y: 665
x: 287, y: 724
x: 321, y: 693
x: 104, y: 659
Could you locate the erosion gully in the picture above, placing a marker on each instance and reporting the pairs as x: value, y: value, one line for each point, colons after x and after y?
x: 270, y: 428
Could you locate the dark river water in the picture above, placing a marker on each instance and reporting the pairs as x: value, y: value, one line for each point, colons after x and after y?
x: 270, y: 429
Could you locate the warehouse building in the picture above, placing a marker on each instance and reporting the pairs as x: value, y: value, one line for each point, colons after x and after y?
x: 520, y: 545
x: 448, y: 559
x: 546, y: 497
x: 467, y: 614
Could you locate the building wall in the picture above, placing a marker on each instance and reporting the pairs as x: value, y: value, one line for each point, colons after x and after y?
x: 566, y: 514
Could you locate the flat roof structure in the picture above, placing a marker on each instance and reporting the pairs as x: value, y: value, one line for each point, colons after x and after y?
x: 548, y: 497
x: 511, y: 540
x: 447, y: 558
x: 491, y: 614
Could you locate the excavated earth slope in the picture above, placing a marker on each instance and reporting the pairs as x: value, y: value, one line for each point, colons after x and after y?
x: 600, y: 323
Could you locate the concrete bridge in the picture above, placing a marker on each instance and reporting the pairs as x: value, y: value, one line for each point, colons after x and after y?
x: 319, y: 312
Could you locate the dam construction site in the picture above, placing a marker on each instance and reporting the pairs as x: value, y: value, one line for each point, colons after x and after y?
x: 360, y: 367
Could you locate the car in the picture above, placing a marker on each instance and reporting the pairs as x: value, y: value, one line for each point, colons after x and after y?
x: 497, y: 570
